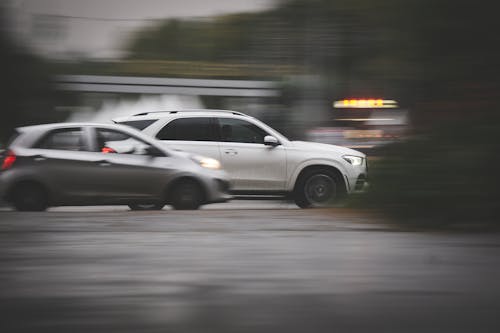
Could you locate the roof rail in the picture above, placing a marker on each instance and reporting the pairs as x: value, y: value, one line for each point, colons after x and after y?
x: 190, y: 110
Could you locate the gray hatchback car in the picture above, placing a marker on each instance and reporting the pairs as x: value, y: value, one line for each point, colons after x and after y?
x: 100, y: 164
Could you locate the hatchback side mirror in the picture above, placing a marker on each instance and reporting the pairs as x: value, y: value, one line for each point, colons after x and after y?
x: 270, y: 140
x: 154, y: 152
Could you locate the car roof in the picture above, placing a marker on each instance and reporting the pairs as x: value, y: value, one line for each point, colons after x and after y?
x: 165, y: 113
x: 54, y: 126
x: 34, y: 131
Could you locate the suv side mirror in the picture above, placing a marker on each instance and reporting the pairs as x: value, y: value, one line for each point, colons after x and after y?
x: 270, y: 140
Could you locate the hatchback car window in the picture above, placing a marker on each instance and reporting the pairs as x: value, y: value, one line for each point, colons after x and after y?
x: 63, y: 139
x: 237, y: 130
x: 187, y: 129
x: 111, y: 141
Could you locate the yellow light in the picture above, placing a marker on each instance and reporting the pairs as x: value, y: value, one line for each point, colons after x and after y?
x: 365, y: 103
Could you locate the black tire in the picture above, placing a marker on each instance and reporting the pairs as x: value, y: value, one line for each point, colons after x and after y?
x: 29, y: 197
x: 187, y: 194
x: 152, y: 206
x: 318, y: 187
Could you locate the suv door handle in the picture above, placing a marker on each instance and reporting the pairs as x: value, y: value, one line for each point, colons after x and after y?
x: 230, y: 152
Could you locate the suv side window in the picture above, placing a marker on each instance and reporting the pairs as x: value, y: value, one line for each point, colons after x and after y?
x: 238, y: 130
x: 187, y: 129
x: 63, y: 139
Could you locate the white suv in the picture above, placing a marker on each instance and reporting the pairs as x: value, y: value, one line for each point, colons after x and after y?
x: 258, y: 159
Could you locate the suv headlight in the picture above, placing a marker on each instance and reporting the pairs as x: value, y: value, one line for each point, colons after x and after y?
x: 207, y: 162
x: 354, y: 160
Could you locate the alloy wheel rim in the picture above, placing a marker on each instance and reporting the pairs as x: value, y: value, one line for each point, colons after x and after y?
x: 320, y: 190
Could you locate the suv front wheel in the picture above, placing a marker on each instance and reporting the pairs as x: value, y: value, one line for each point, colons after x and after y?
x: 318, y: 187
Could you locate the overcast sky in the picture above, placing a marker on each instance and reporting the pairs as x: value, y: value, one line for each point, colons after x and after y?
x: 100, y: 28
x: 141, y: 8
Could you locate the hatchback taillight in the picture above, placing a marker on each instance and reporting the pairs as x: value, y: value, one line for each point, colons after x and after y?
x: 8, y: 160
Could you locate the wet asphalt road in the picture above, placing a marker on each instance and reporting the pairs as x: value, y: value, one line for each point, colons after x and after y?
x: 240, y: 267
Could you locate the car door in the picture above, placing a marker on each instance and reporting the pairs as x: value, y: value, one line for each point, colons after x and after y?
x: 192, y: 134
x: 61, y: 159
x: 123, y: 169
x: 251, y: 165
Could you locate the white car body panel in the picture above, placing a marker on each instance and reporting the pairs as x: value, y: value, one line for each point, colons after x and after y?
x: 254, y: 166
x: 301, y: 154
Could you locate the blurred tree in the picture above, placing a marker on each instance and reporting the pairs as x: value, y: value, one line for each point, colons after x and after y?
x: 447, y: 53
x: 26, y: 94
x: 354, y: 43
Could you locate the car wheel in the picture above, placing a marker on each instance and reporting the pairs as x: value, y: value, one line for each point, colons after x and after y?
x: 187, y: 194
x: 153, y: 206
x: 29, y: 198
x: 318, y: 188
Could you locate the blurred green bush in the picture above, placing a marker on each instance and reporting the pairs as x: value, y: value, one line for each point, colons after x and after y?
x: 449, y: 176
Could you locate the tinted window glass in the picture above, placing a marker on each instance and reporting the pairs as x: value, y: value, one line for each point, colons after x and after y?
x: 138, y: 124
x: 112, y: 141
x: 64, y: 139
x: 188, y: 129
x: 237, y: 130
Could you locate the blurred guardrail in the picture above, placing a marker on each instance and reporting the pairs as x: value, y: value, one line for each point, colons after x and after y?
x: 175, y: 86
